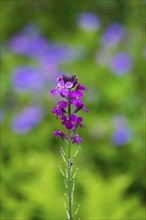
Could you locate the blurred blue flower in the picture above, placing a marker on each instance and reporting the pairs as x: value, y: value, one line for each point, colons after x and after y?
x: 121, y: 136
x: 27, y: 79
x: 89, y: 21
x: 113, y: 35
x: 59, y: 53
x: 28, y: 46
x: 27, y: 119
x: 121, y: 63
x: 1, y: 116
x: 20, y: 44
x: 31, y: 30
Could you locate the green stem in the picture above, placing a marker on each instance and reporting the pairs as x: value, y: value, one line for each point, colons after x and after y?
x: 69, y: 167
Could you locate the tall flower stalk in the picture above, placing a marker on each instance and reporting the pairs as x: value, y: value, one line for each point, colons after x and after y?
x: 69, y: 88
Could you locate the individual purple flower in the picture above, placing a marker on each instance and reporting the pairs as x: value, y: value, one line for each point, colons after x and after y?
x: 69, y: 121
x: 78, y: 123
x: 89, y: 21
x: 121, y: 63
x: 76, y: 138
x: 27, y: 79
x: 62, y: 88
x: 60, y: 108
x: 113, y: 35
x: 76, y: 97
x: 27, y: 119
x: 61, y: 134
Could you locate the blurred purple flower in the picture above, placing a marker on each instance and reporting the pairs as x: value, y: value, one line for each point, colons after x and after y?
x: 121, y: 63
x: 89, y: 21
x: 30, y: 30
x: 113, y: 35
x: 28, y: 46
x: 59, y: 53
x: 121, y: 136
x: 20, y: 45
x: 27, y: 119
x: 27, y: 79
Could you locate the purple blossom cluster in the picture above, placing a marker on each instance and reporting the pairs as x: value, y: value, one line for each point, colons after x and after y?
x: 69, y: 88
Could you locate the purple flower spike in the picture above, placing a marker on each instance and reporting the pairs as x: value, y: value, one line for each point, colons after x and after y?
x: 61, y: 134
x: 76, y: 138
x: 69, y: 89
x: 59, y: 109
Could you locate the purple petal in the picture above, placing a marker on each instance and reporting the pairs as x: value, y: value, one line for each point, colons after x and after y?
x: 64, y: 118
x: 68, y: 85
x: 61, y: 84
x: 72, y: 94
x: 69, y: 125
x: 56, y: 133
x: 81, y: 87
x: 79, y: 94
x: 65, y: 92
x: 76, y: 102
x: 53, y: 92
x: 54, y: 110
x: 85, y: 110
x: 79, y: 119
x: 58, y: 91
x: 63, y: 104
x: 73, y: 118
x: 59, y: 112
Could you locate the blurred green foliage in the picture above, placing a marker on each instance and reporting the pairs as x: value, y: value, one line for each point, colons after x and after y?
x: 111, y: 181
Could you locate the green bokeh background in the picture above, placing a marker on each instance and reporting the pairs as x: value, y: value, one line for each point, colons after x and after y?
x: 110, y: 184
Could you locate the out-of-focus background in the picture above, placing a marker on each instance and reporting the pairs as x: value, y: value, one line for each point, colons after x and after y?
x: 102, y: 42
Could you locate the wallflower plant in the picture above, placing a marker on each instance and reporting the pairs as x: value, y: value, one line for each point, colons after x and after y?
x: 71, y: 91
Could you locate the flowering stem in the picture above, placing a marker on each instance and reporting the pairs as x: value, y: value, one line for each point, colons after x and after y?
x: 69, y: 166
